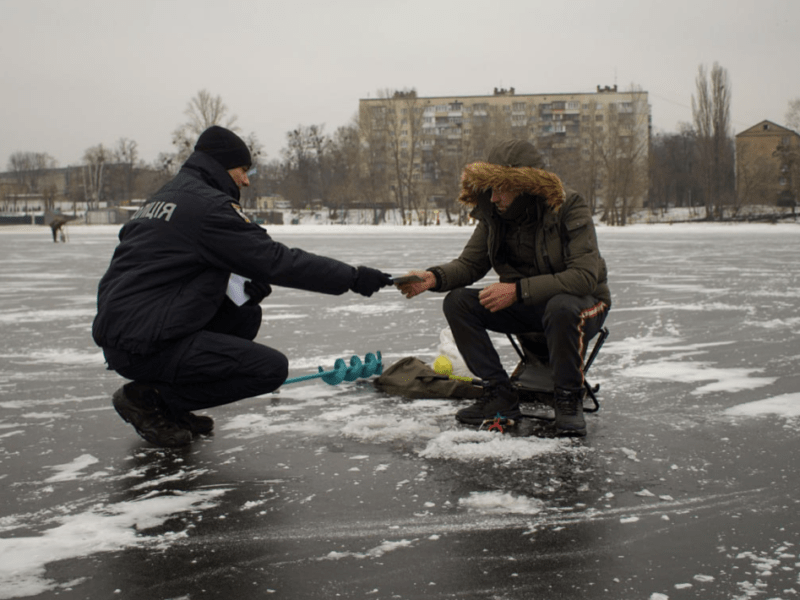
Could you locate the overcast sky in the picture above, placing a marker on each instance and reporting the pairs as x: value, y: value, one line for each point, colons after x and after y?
x: 77, y: 73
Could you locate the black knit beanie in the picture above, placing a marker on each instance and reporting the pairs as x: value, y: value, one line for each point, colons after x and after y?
x: 224, y: 146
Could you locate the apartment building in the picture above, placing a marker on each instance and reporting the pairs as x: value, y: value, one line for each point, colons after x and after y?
x: 578, y: 133
x: 768, y: 165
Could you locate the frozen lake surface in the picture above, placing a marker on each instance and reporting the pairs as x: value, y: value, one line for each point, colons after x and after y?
x: 685, y: 488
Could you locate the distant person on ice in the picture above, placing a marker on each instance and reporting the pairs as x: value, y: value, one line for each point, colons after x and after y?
x: 541, y: 242
x: 57, y: 226
x: 178, y: 308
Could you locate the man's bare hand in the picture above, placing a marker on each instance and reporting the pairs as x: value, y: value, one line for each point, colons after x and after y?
x: 498, y: 296
x: 409, y: 290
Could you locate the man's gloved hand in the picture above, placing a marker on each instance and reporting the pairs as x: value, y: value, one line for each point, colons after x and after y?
x: 257, y: 291
x: 368, y: 281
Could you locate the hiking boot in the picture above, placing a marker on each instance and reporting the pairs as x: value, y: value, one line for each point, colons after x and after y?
x: 498, y: 400
x: 196, y: 424
x: 141, y: 406
x: 569, y: 413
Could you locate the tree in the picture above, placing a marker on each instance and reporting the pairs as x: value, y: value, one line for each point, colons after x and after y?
x: 793, y: 115
x: 203, y: 111
x: 95, y: 160
x: 373, y: 173
x: 788, y: 156
x: 402, y: 125
x: 672, y: 177
x: 126, y: 155
x: 616, y: 144
x: 711, y: 115
x: 28, y: 168
x: 306, y: 170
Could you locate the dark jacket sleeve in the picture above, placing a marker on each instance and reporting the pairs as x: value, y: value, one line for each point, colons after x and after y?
x: 469, y: 267
x: 229, y: 242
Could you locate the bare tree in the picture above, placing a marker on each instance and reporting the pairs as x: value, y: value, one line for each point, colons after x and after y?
x: 305, y: 162
x: 95, y: 160
x: 614, y: 165
x: 28, y: 168
x: 400, y: 123
x: 711, y: 114
x: 672, y: 178
x: 203, y: 111
x: 793, y: 115
x: 126, y: 156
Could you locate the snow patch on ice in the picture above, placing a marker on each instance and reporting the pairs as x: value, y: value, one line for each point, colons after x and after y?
x: 102, y: 528
x: 483, y: 445
x: 71, y: 470
x: 44, y: 316
x: 785, y: 405
x: 371, y: 309
x: 249, y: 425
x: 375, y: 552
x: 496, y: 502
x: 721, y: 380
x: 388, y: 429
x: 61, y: 357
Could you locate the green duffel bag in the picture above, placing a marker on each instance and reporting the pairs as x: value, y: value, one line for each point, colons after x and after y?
x: 411, y: 378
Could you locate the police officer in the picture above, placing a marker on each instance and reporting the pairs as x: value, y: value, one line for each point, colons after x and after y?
x: 178, y: 308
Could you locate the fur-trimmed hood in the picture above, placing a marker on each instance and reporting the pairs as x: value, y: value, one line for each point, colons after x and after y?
x: 479, y: 177
x: 512, y: 166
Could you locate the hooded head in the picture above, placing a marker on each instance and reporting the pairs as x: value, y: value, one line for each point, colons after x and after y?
x: 224, y: 146
x: 512, y: 166
x: 515, y: 153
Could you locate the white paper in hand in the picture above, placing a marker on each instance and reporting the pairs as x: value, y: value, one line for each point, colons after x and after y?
x: 236, y: 289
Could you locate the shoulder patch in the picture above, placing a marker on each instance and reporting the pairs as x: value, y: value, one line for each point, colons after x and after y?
x: 239, y: 211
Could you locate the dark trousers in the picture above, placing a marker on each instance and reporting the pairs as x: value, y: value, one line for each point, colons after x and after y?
x: 215, y: 366
x: 568, y: 323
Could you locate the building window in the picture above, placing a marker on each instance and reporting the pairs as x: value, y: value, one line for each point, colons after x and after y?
x: 573, y: 105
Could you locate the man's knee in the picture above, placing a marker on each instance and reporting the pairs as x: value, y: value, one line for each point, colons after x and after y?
x: 563, y: 305
x: 270, y: 369
x: 458, y: 301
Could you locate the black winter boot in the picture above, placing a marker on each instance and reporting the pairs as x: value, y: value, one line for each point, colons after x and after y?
x: 197, y: 424
x: 141, y: 406
x: 498, y: 400
x: 569, y: 412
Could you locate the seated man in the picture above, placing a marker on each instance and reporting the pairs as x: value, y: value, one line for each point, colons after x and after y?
x: 177, y: 310
x: 541, y: 242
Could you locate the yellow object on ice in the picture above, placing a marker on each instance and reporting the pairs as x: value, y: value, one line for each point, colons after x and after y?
x: 443, y: 366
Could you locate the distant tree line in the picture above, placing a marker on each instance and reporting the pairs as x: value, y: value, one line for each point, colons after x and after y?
x: 365, y: 164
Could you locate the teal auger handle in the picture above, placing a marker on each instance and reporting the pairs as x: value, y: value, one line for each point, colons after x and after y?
x: 372, y: 365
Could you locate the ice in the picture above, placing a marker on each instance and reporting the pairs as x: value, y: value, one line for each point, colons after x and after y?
x: 693, y: 448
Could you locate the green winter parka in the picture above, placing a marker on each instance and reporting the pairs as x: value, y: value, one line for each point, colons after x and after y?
x: 545, y: 242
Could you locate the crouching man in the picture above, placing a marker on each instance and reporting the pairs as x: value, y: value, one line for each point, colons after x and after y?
x: 178, y: 308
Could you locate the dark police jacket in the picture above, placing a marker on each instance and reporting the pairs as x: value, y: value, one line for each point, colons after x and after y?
x: 169, y: 274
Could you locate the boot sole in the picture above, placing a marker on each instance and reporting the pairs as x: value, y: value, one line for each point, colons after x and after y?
x: 570, y: 431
